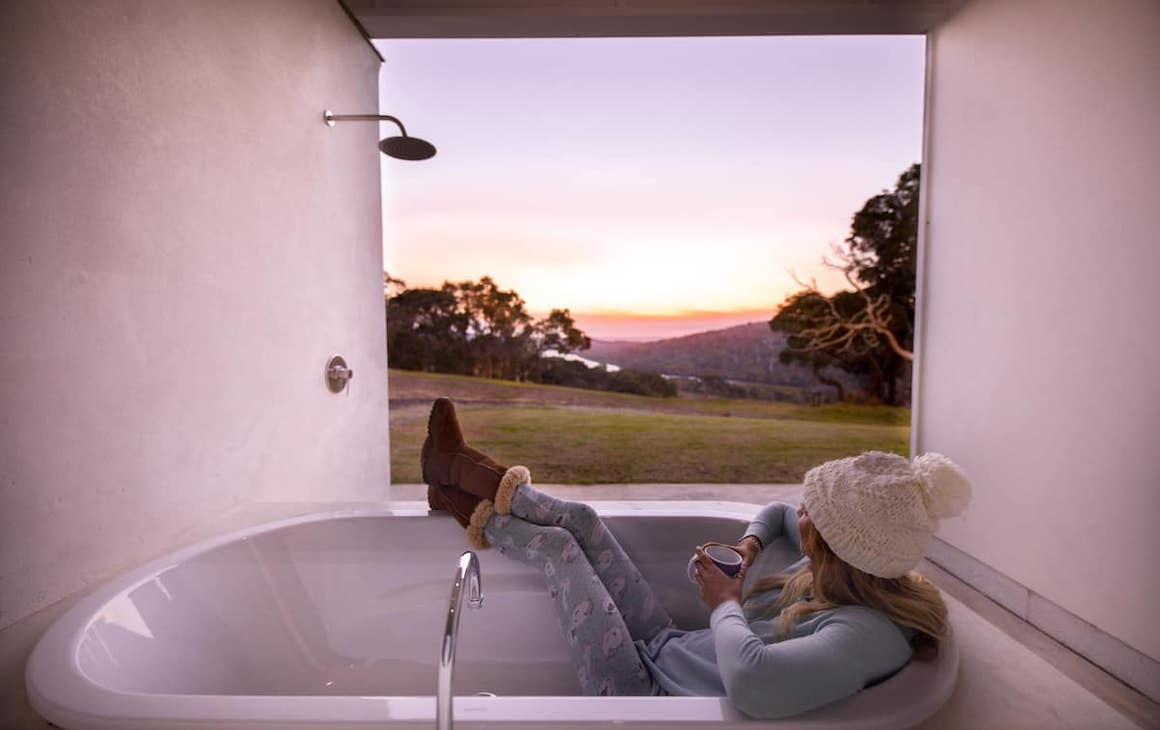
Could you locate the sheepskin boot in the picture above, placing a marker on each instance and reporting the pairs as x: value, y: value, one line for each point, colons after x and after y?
x: 456, y: 502
x: 447, y: 460
x: 468, y: 510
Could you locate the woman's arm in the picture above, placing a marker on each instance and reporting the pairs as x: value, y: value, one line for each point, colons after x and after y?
x: 776, y: 519
x: 790, y: 677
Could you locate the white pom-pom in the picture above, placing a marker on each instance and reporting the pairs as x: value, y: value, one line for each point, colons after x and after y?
x: 946, y: 487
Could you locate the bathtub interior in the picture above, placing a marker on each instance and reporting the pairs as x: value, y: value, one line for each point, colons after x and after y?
x: 356, y: 606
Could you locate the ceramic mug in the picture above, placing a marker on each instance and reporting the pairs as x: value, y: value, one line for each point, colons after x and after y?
x: 726, y: 558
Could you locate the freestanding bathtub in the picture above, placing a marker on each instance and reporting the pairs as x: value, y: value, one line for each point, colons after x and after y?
x: 335, y: 621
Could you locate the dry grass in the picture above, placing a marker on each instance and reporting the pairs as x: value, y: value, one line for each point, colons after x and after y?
x: 573, y: 436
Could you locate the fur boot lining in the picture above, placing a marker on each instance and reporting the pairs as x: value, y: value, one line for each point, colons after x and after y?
x: 512, y: 478
x: 478, y: 521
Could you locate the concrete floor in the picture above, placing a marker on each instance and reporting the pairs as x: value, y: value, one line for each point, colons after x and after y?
x: 1011, y: 675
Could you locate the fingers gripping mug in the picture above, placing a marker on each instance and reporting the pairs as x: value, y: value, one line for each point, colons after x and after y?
x: 727, y: 559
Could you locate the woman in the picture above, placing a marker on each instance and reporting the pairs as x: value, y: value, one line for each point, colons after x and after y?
x: 847, y: 615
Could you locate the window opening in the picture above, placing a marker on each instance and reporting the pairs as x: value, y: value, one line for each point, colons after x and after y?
x: 655, y: 260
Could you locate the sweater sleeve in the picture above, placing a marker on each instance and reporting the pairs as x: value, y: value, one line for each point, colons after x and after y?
x: 776, y: 519
x: 849, y: 649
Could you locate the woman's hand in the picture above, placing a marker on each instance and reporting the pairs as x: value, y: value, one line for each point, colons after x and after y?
x: 716, y: 587
x: 746, y: 546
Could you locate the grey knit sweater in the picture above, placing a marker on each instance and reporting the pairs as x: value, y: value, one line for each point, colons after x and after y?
x: 828, y: 656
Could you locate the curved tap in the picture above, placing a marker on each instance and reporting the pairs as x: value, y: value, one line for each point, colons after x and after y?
x: 467, y: 571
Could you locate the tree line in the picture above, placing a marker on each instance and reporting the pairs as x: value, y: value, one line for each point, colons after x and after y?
x: 478, y: 328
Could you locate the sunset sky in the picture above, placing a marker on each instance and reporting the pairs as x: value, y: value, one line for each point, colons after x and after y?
x: 655, y: 187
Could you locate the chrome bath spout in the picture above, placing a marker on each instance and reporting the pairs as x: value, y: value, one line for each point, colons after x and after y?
x: 468, y: 571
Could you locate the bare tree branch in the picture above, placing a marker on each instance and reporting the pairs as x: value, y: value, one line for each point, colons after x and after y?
x: 834, y: 331
x: 392, y: 286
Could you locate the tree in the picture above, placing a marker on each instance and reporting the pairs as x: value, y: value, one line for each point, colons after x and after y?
x: 426, y: 331
x: 843, y: 328
x: 883, y: 243
x: 499, y: 329
x: 558, y: 332
x: 869, y: 329
x: 392, y: 286
x: 800, y: 312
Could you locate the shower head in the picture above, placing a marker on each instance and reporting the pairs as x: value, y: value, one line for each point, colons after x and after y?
x: 403, y: 147
x: 407, y: 148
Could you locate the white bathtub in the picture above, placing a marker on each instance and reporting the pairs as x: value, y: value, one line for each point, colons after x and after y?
x: 335, y: 620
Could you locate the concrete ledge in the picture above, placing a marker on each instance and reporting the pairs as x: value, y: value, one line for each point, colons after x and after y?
x: 1122, y: 661
x: 759, y: 494
x: 1011, y: 595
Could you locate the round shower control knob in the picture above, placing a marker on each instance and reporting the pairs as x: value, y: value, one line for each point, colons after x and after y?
x: 337, y: 374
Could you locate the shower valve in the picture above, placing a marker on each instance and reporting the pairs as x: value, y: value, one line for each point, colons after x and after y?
x: 337, y: 374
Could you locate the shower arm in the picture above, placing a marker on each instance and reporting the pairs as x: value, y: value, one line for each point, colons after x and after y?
x: 332, y: 118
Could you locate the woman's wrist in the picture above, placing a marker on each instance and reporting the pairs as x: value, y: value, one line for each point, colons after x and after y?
x: 714, y: 610
x: 754, y: 541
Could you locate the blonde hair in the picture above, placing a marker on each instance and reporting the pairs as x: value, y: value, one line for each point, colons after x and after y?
x: 911, y: 600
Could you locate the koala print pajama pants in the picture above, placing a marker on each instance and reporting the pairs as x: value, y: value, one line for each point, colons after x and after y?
x: 602, y: 601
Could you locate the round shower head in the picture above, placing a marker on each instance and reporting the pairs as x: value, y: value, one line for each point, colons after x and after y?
x: 407, y: 148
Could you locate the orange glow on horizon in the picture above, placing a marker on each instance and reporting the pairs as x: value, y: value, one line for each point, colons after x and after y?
x: 625, y: 326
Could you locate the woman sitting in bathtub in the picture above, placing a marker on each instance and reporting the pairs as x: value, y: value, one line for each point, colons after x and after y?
x: 848, y: 614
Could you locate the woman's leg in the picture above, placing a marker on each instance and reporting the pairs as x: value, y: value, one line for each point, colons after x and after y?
x: 643, y: 614
x: 599, y: 642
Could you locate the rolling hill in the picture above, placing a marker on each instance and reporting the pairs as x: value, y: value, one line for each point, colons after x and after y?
x: 746, y: 353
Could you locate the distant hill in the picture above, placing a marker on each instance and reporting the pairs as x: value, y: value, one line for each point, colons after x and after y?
x: 746, y: 353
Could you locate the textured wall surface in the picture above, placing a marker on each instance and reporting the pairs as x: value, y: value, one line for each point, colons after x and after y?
x: 1039, y: 353
x: 185, y: 244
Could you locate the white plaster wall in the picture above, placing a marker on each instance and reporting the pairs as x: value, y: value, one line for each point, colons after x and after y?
x: 185, y: 244
x: 1040, y: 357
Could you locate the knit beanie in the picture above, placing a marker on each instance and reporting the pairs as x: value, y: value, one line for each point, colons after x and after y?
x: 877, y: 511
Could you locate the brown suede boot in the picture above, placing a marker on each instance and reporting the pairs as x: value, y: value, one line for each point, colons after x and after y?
x: 456, y: 502
x: 447, y: 460
x: 468, y: 510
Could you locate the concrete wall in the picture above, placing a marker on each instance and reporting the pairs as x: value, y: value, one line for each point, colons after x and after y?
x: 185, y: 244
x: 1039, y: 350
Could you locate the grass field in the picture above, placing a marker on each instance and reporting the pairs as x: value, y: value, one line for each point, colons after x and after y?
x: 573, y: 436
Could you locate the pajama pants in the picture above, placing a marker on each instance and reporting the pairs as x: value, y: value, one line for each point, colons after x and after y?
x: 602, y: 601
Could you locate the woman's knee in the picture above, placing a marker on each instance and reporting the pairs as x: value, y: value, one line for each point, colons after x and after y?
x: 577, y: 515
x: 548, y: 539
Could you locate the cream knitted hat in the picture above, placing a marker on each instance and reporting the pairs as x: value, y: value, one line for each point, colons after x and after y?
x: 877, y: 511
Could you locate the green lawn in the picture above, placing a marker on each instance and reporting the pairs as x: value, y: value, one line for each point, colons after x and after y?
x: 572, y: 436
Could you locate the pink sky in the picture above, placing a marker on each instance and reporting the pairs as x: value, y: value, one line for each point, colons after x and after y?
x: 655, y: 187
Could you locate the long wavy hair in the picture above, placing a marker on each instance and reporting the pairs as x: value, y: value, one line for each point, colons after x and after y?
x: 827, y: 582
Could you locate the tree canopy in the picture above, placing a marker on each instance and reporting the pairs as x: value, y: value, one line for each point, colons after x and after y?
x: 473, y: 328
x: 869, y: 329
